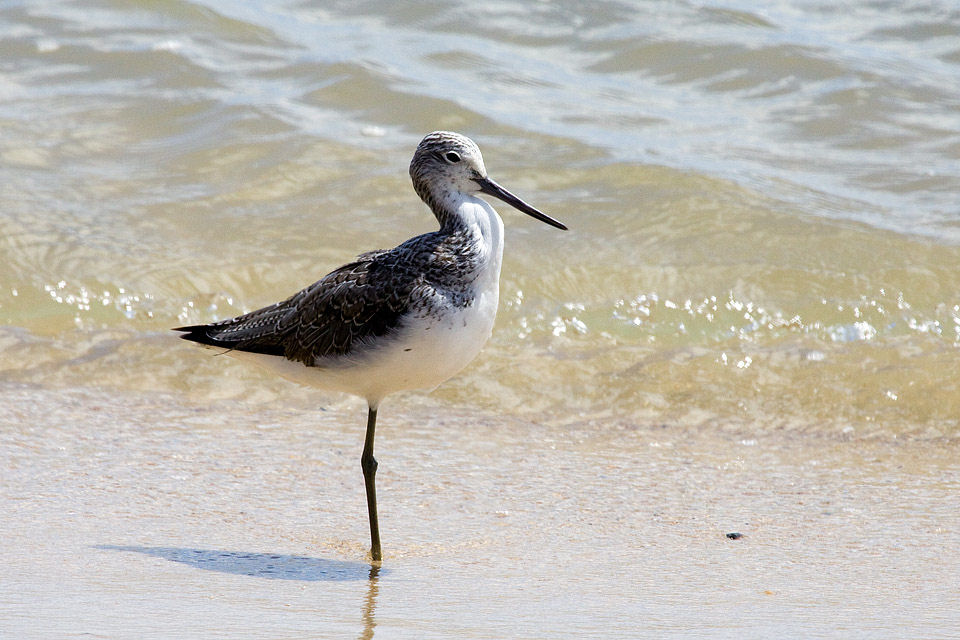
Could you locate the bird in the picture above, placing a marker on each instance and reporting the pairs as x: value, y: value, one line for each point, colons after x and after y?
x: 396, y: 319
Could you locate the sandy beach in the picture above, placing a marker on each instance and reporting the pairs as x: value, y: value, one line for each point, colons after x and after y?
x: 140, y: 517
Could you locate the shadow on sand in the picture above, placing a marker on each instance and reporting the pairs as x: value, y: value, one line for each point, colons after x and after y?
x: 273, y: 566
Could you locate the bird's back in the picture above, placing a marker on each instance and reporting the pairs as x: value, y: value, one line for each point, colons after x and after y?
x: 349, y: 309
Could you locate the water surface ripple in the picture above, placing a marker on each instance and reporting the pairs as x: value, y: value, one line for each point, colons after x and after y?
x: 763, y: 201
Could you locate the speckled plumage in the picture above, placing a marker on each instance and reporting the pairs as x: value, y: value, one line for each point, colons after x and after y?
x: 352, y: 309
x: 404, y: 318
x: 349, y: 308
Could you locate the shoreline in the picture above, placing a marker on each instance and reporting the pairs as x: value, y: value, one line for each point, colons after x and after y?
x: 161, y: 507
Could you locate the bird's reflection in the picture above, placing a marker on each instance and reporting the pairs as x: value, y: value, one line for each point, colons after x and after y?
x: 370, y: 604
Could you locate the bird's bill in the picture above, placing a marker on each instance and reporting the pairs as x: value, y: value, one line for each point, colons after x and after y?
x: 491, y: 188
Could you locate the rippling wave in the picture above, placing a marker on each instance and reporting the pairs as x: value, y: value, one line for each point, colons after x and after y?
x: 762, y: 201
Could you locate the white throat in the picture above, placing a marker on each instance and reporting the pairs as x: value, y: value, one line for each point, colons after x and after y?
x: 481, y: 219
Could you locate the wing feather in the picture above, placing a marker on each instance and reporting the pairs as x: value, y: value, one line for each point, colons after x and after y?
x: 337, y: 314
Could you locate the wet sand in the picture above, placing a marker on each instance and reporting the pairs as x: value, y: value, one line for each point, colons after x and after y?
x: 147, y: 516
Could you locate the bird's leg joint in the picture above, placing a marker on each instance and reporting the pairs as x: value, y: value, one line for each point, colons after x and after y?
x: 369, y: 465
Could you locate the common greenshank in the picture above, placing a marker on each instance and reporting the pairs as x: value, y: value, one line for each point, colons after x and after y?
x: 403, y: 318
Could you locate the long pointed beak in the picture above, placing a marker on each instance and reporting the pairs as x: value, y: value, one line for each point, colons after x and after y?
x: 491, y: 188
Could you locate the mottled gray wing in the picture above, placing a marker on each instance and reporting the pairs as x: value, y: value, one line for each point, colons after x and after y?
x: 354, y: 304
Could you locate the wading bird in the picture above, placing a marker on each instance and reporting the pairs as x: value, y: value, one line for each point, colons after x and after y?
x: 403, y: 318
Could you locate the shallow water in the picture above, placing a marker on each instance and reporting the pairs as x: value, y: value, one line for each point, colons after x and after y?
x: 757, y: 306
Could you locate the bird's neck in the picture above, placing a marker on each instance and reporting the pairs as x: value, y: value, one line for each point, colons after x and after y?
x: 475, y: 216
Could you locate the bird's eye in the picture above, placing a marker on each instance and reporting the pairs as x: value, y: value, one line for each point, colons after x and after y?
x: 452, y: 157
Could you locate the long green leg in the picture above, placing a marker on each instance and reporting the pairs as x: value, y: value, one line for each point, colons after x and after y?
x: 369, y: 465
